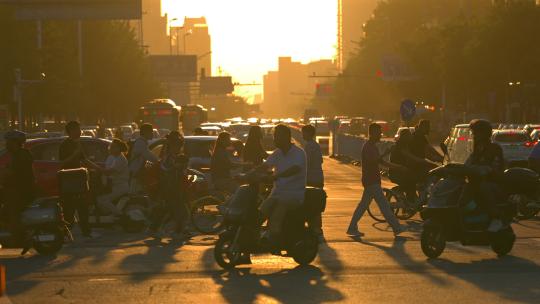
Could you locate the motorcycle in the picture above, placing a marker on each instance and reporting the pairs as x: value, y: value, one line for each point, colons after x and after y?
x: 450, y: 217
x: 43, y: 228
x: 244, y: 235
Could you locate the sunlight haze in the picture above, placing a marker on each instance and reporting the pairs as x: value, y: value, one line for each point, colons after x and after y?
x: 248, y: 36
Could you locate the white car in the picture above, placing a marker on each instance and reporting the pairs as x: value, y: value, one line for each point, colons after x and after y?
x: 459, y: 143
x: 516, y: 145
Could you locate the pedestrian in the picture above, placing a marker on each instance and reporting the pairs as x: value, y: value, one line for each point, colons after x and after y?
x: 18, y: 182
x: 315, y: 175
x: 72, y: 156
x: 140, y: 155
x: 371, y: 180
x: 173, y: 182
x: 254, y: 153
x: 117, y: 172
x: 221, y: 164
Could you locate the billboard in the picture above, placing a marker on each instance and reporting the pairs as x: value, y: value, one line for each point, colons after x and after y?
x: 217, y: 85
x: 76, y: 9
x: 174, y: 68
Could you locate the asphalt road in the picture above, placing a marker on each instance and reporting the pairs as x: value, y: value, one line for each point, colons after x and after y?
x: 122, y: 268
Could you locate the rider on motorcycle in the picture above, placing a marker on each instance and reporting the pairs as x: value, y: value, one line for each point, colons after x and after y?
x: 487, y: 162
x: 289, y: 164
x: 421, y: 149
x: 18, y: 181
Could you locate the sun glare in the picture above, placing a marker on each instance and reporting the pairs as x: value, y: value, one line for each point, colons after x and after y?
x: 248, y: 36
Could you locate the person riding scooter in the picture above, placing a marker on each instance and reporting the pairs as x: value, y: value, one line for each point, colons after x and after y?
x: 289, y: 164
x: 18, y: 181
x: 488, y: 162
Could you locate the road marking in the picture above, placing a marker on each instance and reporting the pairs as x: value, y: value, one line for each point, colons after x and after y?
x: 102, y: 280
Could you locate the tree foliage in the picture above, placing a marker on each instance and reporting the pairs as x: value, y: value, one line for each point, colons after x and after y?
x: 116, y: 77
x: 470, y: 50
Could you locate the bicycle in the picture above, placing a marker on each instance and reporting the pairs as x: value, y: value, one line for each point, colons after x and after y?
x: 401, y: 207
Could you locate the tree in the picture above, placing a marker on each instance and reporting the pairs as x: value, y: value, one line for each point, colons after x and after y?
x: 116, y: 77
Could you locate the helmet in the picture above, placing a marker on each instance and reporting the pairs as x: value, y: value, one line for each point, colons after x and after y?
x: 481, y: 127
x: 15, y: 135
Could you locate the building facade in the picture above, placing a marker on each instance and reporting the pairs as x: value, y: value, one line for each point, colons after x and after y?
x: 193, y: 38
x: 290, y: 89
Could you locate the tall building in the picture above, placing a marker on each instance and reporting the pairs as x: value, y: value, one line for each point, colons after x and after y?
x: 193, y: 38
x: 152, y: 29
x: 290, y: 89
x: 352, y: 14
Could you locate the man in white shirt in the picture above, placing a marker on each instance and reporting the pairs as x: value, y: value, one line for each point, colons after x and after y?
x: 140, y: 154
x: 289, y: 164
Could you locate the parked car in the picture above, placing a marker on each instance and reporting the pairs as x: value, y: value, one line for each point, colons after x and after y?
x: 44, y: 135
x: 197, y: 149
x: 516, y: 145
x: 47, y: 164
x: 459, y: 143
x: 396, y: 137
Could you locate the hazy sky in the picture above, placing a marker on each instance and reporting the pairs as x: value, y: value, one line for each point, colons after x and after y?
x: 249, y: 35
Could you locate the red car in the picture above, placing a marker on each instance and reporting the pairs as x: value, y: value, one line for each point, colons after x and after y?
x: 47, y: 164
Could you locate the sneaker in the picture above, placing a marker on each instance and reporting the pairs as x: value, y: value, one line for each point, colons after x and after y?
x: 400, y: 230
x: 495, y: 225
x: 354, y: 232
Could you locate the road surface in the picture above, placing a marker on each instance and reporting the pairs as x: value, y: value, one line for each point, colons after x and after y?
x: 124, y: 268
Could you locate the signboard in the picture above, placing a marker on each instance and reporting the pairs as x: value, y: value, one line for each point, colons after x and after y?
x: 407, y: 110
x: 76, y: 9
x: 174, y: 68
x: 324, y: 90
x: 217, y: 85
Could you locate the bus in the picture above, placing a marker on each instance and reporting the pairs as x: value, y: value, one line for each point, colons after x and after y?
x: 192, y: 116
x: 161, y: 113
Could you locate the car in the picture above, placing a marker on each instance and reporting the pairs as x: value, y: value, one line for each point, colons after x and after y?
x: 44, y: 135
x: 268, y: 137
x: 212, y: 130
x: 88, y: 133
x: 535, y: 136
x: 459, y: 143
x: 240, y: 130
x: 516, y: 145
x: 46, y: 163
x: 531, y: 127
x: 321, y: 126
x: 197, y: 149
x: 396, y: 137
x: 359, y: 125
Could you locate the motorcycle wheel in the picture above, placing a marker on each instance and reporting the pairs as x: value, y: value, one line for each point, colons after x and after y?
x: 503, y: 242
x: 51, y: 247
x: 206, y: 217
x: 306, y: 250
x: 225, y: 254
x: 433, y: 242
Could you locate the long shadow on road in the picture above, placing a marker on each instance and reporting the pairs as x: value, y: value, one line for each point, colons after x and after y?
x: 511, y: 277
x: 298, y: 285
x: 399, y: 254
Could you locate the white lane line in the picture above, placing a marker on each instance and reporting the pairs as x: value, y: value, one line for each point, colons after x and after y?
x: 102, y: 280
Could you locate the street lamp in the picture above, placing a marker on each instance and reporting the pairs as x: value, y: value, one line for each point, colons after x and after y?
x: 170, y: 34
x: 185, y: 35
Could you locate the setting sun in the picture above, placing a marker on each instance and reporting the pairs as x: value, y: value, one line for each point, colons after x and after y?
x: 248, y: 36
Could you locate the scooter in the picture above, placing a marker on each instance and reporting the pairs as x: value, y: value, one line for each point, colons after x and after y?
x: 133, y: 207
x: 44, y: 228
x: 245, y: 236
x: 450, y: 217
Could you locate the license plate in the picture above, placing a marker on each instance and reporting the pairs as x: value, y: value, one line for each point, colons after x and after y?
x: 45, y: 237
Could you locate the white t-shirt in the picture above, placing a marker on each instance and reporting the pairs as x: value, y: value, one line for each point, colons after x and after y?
x: 292, y: 187
x: 120, y: 169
